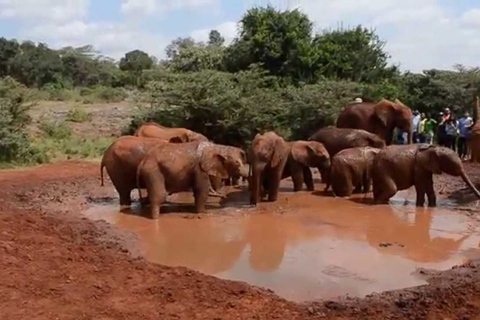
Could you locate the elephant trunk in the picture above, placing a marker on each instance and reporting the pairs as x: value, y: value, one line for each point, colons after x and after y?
x: 410, y: 136
x: 470, y: 184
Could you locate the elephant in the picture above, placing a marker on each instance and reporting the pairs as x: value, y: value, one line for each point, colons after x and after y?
x: 173, y: 168
x: 268, y: 156
x: 179, y: 135
x: 121, y: 159
x: 337, y: 139
x: 232, y: 180
x: 381, y: 118
x: 352, y: 170
x: 401, y: 167
x: 301, y: 156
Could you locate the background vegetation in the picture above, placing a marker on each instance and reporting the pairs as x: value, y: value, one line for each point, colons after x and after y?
x: 276, y: 75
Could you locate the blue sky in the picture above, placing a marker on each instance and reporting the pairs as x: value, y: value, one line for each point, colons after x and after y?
x: 420, y: 34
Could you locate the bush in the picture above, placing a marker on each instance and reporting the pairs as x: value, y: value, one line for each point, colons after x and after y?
x: 55, y: 129
x: 15, y: 145
x: 107, y: 94
x: 78, y: 115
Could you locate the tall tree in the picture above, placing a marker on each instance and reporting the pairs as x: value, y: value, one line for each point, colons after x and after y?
x: 353, y: 54
x: 135, y: 62
x: 215, y: 39
x: 278, y: 40
x: 8, y: 50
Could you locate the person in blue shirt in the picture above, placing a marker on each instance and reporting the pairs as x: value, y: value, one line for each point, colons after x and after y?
x: 464, y: 125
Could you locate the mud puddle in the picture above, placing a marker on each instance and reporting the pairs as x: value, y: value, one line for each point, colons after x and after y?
x: 305, y: 246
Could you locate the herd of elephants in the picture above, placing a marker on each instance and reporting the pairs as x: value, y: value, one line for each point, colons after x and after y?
x: 351, y: 156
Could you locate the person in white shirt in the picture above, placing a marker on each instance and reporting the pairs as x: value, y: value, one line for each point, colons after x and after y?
x: 415, y: 123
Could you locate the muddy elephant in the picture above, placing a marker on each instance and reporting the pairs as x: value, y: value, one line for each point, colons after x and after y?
x: 121, y: 159
x: 338, y: 139
x: 352, y: 170
x: 217, y: 183
x: 401, y: 167
x: 302, y: 156
x: 380, y: 118
x: 173, y: 168
x: 179, y: 135
x: 268, y: 156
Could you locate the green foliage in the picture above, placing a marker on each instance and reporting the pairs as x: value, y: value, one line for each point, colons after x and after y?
x: 135, y: 62
x: 78, y: 115
x: 72, y: 147
x: 55, y: 129
x: 15, y: 145
x: 215, y: 39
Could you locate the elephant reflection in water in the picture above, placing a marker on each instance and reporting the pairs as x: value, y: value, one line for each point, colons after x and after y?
x: 419, y: 246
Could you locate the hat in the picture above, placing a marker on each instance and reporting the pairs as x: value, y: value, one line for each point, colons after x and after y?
x: 358, y: 100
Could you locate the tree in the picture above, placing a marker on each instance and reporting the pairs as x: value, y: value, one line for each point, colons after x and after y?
x: 354, y: 54
x: 135, y: 62
x: 215, y: 39
x: 280, y: 41
x: 177, y: 45
x: 8, y: 50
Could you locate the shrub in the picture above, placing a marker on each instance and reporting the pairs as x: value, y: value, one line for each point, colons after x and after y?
x: 55, y: 129
x: 78, y: 115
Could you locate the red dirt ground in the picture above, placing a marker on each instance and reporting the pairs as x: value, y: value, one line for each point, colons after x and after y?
x: 56, y: 265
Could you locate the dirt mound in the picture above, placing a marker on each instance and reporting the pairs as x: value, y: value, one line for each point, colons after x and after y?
x: 54, y: 264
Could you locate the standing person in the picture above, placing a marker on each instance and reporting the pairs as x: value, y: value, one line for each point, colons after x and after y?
x: 451, y: 131
x: 415, y: 122
x: 400, y: 137
x: 464, y: 125
x: 429, y: 129
x: 441, y: 130
x: 421, y: 129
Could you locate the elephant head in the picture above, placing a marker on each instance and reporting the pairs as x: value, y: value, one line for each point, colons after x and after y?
x: 220, y: 162
x: 311, y: 154
x: 376, y: 142
x: 392, y: 115
x: 438, y: 160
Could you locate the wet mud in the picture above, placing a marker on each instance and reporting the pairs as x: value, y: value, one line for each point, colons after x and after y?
x: 55, y: 263
x: 306, y: 246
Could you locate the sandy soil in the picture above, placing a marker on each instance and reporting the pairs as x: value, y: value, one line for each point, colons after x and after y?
x: 56, y: 265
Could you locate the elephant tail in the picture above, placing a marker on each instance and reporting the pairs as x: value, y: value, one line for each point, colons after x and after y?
x: 470, y: 184
x: 101, y: 174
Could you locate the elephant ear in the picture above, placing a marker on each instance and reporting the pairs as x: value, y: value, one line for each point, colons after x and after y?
x: 428, y: 158
x: 280, y: 152
x: 384, y: 111
x: 214, y: 164
x: 302, y: 153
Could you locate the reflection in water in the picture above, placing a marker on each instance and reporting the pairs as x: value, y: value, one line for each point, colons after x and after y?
x: 318, y: 247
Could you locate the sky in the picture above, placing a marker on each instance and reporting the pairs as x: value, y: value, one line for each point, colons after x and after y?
x: 420, y: 34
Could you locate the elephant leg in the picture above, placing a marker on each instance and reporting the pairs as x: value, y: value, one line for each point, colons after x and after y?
x: 255, y: 186
x: 200, y: 192
x: 432, y: 197
x: 420, y: 188
x: 307, y: 175
x: 297, y: 174
x: 383, y: 190
x: 275, y: 176
x: 216, y: 183
x: 235, y: 181
x: 367, y: 183
x: 157, y: 193
x: 125, y: 199
x: 326, y: 178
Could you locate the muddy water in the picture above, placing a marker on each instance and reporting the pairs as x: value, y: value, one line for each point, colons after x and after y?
x: 305, y: 246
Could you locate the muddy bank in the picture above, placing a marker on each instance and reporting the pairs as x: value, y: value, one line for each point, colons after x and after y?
x: 54, y: 264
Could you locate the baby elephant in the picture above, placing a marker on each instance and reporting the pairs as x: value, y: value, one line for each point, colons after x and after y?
x: 173, y: 168
x: 121, y: 160
x: 401, y: 167
x: 302, y: 156
x: 351, y: 170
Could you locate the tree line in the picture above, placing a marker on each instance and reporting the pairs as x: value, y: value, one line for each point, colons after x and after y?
x: 277, y: 74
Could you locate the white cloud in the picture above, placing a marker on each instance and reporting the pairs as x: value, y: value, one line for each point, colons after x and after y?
x: 56, y: 10
x: 228, y: 30
x: 111, y: 39
x: 150, y: 7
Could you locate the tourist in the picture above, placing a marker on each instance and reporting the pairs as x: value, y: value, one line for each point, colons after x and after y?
x: 415, y: 122
x: 451, y: 132
x: 441, y: 139
x: 428, y: 129
x: 464, y: 125
x: 421, y: 129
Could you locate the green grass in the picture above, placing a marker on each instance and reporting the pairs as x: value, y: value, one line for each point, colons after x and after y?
x: 78, y: 114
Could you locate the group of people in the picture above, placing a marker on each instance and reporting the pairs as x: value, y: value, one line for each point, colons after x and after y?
x: 449, y: 131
